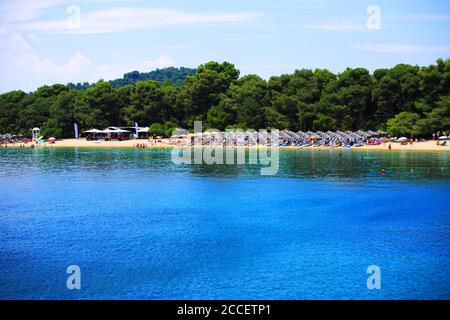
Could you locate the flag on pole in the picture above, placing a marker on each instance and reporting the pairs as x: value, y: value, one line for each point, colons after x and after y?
x: 75, y: 128
x: 137, y: 130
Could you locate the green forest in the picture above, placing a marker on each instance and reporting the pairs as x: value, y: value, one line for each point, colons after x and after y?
x: 403, y: 100
x: 172, y: 75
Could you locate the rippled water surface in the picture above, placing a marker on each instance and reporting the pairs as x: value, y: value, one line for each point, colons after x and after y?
x: 140, y: 226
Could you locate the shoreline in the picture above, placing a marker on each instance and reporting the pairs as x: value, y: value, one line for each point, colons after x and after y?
x: 131, y: 144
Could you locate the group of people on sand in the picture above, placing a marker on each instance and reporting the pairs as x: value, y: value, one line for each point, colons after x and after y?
x: 436, y: 137
x: 141, y: 146
x: 151, y: 142
x: 20, y: 145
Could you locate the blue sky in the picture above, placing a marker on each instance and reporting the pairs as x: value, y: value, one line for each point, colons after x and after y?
x: 59, y: 41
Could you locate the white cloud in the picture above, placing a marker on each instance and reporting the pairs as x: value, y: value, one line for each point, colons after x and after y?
x: 25, y: 10
x: 23, y: 67
x: 46, y: 68
x: 339, y: 25
x: 111, y: 72
x: 401, y: 48
x: 33, y: 38
x: 19, y: 56
x: 305, y: 4
x: 421, y: 17
x: 175, y: 46
x: 135, y: 18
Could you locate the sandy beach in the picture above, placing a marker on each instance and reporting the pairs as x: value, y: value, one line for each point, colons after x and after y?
x: 82, y: 143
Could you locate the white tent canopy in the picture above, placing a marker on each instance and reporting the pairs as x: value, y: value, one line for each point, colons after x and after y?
x: 120, y: 131
x: 93, y: 131
x: 143, y: 130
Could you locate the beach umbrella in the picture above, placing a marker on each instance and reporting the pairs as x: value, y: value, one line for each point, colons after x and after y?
x: 443, y: 138
x: 284, y: 135
x: 402, y: 139
x: 322, y: 134
x: 343, y: 135
x: 294, y: 135
x: 120, y: 131
x: 93, y: 131
x: 362, y: 134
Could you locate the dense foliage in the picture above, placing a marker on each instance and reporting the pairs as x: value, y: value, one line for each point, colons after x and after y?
x: 175, y: 76
x: 404, y: 100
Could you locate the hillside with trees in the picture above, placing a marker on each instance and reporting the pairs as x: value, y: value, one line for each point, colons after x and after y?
x: 175, y: 76
x: 403, y: 100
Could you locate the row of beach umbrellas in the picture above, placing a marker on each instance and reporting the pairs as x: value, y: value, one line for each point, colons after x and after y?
x: 96, y: 131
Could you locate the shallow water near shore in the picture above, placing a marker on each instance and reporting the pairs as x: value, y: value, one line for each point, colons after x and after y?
x: 141, y: 227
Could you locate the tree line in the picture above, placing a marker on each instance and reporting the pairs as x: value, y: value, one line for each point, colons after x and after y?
x: 172, y: 75
x: 402, y: 100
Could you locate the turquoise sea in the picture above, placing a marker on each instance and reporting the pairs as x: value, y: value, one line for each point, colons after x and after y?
x: 141, y: 227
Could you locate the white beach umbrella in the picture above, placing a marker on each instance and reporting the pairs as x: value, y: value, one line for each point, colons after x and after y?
x: 402, y: 139
x: 443, y: 138
x: 120, y: 131
x: 93, y: 131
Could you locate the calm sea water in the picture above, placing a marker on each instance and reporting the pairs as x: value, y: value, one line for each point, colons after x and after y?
x: 139, y: 226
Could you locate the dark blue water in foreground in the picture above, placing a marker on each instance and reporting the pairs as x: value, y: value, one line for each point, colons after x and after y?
x: 141, y: 227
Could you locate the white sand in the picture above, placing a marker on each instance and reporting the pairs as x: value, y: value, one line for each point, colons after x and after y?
x: 82, y: 143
